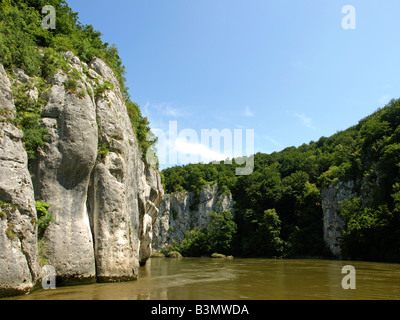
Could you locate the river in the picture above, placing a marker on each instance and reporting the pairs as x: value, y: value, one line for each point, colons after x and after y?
x: 256, y: 279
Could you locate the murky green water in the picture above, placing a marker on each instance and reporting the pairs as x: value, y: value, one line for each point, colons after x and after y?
x: 257, y: 279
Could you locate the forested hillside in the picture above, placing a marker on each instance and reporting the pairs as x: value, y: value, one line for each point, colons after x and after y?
x: 278, y: 207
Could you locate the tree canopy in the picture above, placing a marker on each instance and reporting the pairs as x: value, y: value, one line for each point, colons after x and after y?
x: 278, y: 207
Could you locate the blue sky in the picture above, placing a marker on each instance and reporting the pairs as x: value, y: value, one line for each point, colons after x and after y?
x: 286, y: 68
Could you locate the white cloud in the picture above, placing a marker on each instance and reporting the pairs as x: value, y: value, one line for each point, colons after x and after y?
x: 173, y: 112
x: 145, y: 109
x: 165, y: 109
x: 247, y: 112
x: 188, y: 147
x: 384, y: 100
x: 305, y: 121
x: 273, y: 141
x: 198, y: 152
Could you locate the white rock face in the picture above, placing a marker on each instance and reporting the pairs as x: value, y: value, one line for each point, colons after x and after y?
x: 333, y: 224
x: 177, y: 214
x: 151, y: 195
x: 19, y: 269
x: 104, y: 205
x: 122, y: 190
x: 61, y: 178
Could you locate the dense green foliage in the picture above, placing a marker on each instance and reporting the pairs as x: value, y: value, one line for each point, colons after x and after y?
x: 28, y: 116
x: 278, y: 207
x: 5, y: 209
x: 44, y: 218
x: 24, y: 43
x: 216, y: 237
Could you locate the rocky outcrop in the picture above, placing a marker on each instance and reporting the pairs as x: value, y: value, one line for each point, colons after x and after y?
x: 113, y: 188
x: 150, y: 197
x: 123, y: 189
x: 61, y: 178
x: 19, y: 268
x: 101, y: 193
x: 183, y: 211
x: 332, y: 222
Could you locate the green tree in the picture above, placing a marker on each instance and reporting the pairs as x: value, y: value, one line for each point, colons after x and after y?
x: 370, y: 233
x: 220, y: 232
x: 195, y: 243
x: 262, y: 234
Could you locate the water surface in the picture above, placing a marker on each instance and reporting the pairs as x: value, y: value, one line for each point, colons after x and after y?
x: 256, y: 279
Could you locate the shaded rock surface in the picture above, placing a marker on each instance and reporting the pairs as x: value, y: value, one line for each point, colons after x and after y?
x: 123, y: 190
x: 181, y: 212
x: 19, y: 268
x: 61, y: 178
x: 332, y: 222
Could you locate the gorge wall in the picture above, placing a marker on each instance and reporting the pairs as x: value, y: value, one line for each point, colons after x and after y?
x: 331, y: 197
x: 90, y: 171
x: 19, y: 268
x: 177, y: 214
x: 184, y: 211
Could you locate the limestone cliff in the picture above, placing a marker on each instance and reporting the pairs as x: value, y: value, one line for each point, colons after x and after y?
x: 101, y: 193
x: 19, y: 268
x: 332, y: 222
x: 183, y: 211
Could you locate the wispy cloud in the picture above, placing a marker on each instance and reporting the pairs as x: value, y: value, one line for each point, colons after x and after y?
x: 197, y: 151
x: 180, y: 151
x: 273, y: 141
x: 384, y: 99
x: 305, y: 121
x: 248, y: 112
x: 165, y: 109
x: 187, y: 147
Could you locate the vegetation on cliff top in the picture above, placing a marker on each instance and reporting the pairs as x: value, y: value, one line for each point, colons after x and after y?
x: 22, y: 40
x: 278, y: 207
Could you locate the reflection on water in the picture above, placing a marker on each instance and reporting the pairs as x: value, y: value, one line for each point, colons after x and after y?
x: 256, y: 279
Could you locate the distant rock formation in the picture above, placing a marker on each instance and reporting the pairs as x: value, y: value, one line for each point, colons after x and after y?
x: 333, y: 223
x: 182, y: 211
